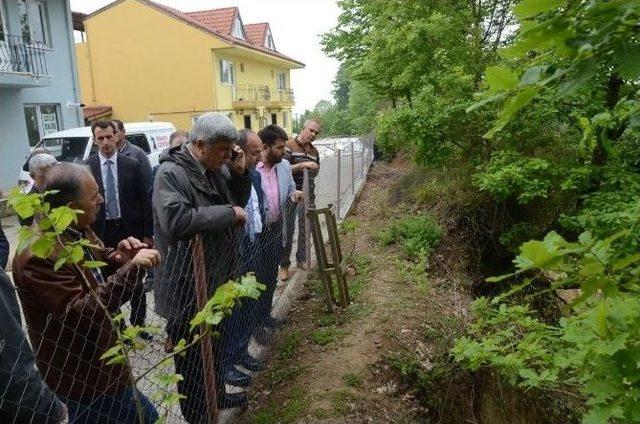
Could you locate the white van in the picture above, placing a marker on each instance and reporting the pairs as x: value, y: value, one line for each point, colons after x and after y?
x: 76, y: 144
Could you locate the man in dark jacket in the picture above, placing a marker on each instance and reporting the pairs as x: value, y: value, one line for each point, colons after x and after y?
x: 26, y: 398
x: 124, y: 184
x: 197, y: 190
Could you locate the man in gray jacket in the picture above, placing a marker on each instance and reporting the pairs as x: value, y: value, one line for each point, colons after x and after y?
x: 198, y: 189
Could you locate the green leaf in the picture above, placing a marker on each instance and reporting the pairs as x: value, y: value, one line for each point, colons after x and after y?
x: 533, y: 75
x: 484, y: 101
x: 512, y: 105
x: 77, y: 254
x: 625, y: 262
x: 500, y: 78
x: 62, y: 217
x: 529, y: 8
x: 94, y: 264
x: 584, y: 72
x: 42, y: 248
x: 60, y: 262
x: 627, y: 57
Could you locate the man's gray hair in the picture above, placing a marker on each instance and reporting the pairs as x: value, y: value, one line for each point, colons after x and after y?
x: 66, y: 179
x: 177, y: 135
x: 212, y: 127
x: 40, y: 161
x: 312, y: 120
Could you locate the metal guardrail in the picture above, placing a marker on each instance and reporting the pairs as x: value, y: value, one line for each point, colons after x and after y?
x: 256, y: 92
x: 17, y: 55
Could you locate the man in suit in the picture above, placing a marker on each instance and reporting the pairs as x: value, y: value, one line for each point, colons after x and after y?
x: 125, y: 147
x: 279, y: 189
x: 127, y: 209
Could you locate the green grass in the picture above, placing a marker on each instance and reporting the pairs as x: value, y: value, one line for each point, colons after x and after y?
x: 353, y: 379
x: 417, y: 235
x: 325, y: 335
x: 343, y: 402
x: 286, y: 412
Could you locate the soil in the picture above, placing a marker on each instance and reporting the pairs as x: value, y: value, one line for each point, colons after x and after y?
x: 385, y: 358
x: 343, y: 371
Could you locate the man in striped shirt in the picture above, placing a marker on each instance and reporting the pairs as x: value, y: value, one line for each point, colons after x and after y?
x: 302, y: 154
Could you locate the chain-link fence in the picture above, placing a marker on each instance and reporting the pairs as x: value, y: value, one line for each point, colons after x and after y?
x: 212, y: 307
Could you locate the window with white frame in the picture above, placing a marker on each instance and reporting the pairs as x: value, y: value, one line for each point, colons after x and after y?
x: 227, y: 72
x: 238, y: 28
x: 34, y: 22
x: 281, y: 82
x: 270, y: 43
x: 41, y: 120
x: 285, y: 119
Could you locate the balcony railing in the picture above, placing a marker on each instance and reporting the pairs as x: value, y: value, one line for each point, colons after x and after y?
x: 261, y: 93
x: 17, y: 55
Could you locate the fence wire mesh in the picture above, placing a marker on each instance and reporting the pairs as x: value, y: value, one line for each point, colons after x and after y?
x: 79, y: 339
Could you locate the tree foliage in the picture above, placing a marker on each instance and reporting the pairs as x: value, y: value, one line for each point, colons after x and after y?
x: 537, y: 100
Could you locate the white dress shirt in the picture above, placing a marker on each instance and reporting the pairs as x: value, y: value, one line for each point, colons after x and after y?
x: 103, y: 171
x: 254, y: 220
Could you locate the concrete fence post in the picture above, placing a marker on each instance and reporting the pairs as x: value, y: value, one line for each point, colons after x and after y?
x: 353, y: 169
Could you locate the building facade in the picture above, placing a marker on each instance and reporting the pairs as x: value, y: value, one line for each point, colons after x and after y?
x: 39, y: 89
x: 147, y: 61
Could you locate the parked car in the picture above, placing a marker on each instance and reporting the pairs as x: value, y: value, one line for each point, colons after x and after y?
x: 76, y: 144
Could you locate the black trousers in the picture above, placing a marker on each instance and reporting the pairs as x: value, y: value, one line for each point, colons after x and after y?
x: 114, y: 234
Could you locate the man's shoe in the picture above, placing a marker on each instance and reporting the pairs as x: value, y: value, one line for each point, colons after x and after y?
x: 144, y: 335
x: 283, y: 274
x: 273, y: 323
x: 232, y: 400
x: 251, y: 363
x: 234, y: 377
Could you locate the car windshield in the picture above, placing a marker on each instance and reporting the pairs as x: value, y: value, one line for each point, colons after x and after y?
x: 70, y: 149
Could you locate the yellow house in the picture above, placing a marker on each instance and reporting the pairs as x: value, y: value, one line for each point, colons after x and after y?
x: 151, y: 62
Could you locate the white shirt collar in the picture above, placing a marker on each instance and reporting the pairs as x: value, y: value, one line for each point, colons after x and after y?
x: 103, y: 159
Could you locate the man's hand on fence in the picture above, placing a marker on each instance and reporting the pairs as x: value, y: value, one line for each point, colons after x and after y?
x: 241, y: 215
x: 297, y: 196
x: 147, y: 258
x: 238, y: 161
x: 128, y: 248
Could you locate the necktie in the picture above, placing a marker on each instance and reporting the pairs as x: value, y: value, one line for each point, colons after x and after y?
x: 110, y: 191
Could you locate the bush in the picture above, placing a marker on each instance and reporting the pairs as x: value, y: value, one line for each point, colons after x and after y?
x: 417, y: 235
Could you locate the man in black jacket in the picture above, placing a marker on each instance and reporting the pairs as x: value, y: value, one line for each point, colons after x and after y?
x: 26, y: 398
x: 198, y: 190
x: 126, y: 212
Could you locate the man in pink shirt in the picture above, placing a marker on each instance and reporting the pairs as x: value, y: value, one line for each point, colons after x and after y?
x: 278, y: 186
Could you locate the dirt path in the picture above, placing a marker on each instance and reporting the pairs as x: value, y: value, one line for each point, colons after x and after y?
x: 348, y: 367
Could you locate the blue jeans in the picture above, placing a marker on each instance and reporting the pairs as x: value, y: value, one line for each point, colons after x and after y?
x: 111, y: 409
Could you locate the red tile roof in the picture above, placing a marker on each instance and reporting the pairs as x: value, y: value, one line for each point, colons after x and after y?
x: 219, y: 19
x: 256, y: 33
x: 190, y: 19
x: 95, y: 112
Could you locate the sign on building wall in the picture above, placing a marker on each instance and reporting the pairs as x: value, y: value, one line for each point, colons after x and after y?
x: 49, y: 123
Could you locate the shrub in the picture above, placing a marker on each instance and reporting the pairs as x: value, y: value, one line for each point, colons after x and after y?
x: 417, y: 235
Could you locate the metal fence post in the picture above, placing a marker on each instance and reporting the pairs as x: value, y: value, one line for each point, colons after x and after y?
x: 339, y: 180
x: 206, y: 344
x: 307, y: 222
x: 353, y: 170
x: 363, y: 151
